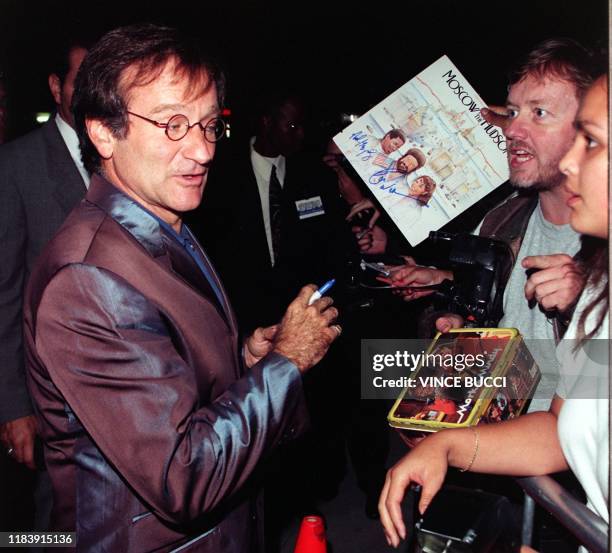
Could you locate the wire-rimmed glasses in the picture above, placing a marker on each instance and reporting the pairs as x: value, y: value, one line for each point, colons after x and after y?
x: 178, y: 126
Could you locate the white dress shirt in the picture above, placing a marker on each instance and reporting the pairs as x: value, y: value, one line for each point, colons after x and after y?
x: 262, y: 167
x: 72, y: 143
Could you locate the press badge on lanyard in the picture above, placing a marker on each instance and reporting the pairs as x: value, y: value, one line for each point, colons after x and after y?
x: 309, y: 207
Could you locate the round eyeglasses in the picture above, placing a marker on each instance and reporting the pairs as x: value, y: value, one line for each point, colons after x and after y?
x: 178, y: 126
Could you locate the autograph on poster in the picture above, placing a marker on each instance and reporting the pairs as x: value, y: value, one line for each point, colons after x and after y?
x: 425, y: 152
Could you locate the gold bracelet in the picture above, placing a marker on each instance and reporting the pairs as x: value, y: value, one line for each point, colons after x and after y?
x: 476, y: 444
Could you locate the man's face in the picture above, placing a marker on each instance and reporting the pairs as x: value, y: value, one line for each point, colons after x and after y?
x: 541, y: 130
x: 422, y: 189
x: 167, y: 177
x: 407, y: 163
x: 389, y: 144
x: 420, y: 186
x: 286, y: 128
x: 62, y: 90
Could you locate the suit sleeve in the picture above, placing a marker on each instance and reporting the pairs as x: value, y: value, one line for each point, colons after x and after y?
x: 14, y: 398
x: 109, y: 352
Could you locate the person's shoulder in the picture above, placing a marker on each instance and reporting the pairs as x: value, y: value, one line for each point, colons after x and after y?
x: 509, y: 219
x: 309, y: 166
x: 74, y: 239
x: 515, y: 202
x: 23, y: 144
x: 518, y: 205
x: 25, y: 158
x: 70, y: 245
x: 309, y: 176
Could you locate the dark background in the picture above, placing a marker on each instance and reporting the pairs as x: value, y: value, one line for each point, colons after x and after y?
x: 346, y: 56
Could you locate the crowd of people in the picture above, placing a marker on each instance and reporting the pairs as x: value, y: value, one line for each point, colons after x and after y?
x: 574, y: 432
x: 164, y: 347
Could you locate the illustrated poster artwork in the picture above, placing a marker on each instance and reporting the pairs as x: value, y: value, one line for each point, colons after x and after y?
x: 425, y: 151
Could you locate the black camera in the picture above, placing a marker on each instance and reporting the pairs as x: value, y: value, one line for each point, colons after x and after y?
x: 481, y: 267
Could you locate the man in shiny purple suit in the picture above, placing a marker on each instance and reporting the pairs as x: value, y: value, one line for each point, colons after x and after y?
x: 153, y: 415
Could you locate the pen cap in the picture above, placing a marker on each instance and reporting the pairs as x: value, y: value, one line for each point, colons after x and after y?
x: 327, y: 286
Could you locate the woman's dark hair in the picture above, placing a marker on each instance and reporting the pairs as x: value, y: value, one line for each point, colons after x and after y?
x: 101, y: 90
x: 595, y: 261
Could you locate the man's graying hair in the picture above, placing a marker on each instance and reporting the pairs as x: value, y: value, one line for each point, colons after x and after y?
x: 101, y: 92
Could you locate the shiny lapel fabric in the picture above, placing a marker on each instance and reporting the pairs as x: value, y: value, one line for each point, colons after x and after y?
x: 150, y: 434
x: 146, y: 230
x: 184, y: 266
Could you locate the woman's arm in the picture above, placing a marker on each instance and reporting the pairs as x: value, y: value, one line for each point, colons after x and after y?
x: 526, y: 446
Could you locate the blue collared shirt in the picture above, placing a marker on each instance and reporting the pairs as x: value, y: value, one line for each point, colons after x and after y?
x: 187, y: 240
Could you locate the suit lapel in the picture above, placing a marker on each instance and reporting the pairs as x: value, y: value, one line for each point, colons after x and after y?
x: 254, y: 212
x: 213, y: 274
x: 185, y: 268
x: 146, y: 230
x: 69, y: 187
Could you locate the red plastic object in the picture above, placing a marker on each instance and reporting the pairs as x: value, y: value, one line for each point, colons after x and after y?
x: 311, y: 538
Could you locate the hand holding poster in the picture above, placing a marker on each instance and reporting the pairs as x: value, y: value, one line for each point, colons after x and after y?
x: 425, y: 151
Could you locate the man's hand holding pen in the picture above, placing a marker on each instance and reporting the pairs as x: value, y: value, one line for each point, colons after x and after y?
x: 307, y: 329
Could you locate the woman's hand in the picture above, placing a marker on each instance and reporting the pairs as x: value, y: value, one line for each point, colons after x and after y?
x: 426, y: 465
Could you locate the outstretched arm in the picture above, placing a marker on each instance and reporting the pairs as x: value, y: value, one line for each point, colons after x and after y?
x: 408, y: 278
x: 526, y: 446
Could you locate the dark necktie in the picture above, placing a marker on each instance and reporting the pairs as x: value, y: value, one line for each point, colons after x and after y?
x: 275, y: 198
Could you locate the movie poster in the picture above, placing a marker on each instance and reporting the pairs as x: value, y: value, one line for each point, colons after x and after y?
x: 425, y: 152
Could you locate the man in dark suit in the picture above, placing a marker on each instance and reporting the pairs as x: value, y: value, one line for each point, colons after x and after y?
x: 153, y: 414
x: 41, y: 180
x: 271, y: 217
x: 271, y: 241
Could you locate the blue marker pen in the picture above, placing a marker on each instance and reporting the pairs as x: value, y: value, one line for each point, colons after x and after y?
x: 319, y: 293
